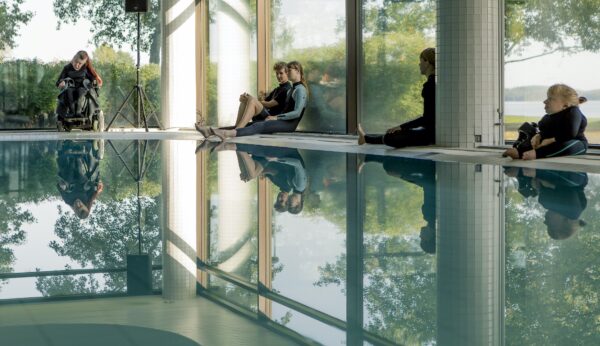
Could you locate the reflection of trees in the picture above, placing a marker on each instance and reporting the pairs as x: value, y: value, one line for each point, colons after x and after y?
x: 399, y: 279
x: 12, y: 219
x: 103, y: 241
x: 551, y: 286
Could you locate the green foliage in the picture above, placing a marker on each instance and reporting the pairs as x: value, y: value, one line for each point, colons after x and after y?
x: 12, y: 220
x: 28, y: 88
x: 112, y: 25
x: 11, y: 19
x: 551, y: 285
x: 561, y: 25
x: 103, y: 241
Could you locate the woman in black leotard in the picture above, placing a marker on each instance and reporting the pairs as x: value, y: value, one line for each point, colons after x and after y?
x: 561, y: 130
x: 420, y: 131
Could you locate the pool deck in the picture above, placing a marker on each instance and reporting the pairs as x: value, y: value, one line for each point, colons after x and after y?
x: 337, y: 143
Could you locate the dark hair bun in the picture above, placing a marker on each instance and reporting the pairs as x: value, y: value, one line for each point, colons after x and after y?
x: 582, y: 99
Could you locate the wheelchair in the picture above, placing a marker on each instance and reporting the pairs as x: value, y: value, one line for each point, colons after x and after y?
x: 91, y: 117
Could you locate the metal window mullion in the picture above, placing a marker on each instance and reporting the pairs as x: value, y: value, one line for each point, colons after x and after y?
x: 353, y: 63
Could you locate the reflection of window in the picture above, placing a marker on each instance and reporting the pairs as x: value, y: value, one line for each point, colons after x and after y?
x: 549, y: 42
x: 301, y: 32
x: 393, y: 36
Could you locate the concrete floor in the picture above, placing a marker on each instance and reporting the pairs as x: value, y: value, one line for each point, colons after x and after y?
x: 146, y: 321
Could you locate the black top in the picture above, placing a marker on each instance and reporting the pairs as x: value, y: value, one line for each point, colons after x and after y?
x: 279, y: 94
x: 77, y: 75
x: 428, y: 119
x: 565, y: 193
x: 565, y: 125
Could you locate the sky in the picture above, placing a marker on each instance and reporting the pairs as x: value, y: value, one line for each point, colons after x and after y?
x: 40, y: 39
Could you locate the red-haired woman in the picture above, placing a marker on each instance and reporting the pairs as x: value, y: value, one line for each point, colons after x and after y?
x: 78, y: 70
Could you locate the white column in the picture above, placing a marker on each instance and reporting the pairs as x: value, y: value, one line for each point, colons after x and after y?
x: 469, y: 245
x: 468, y: 74
x: 234, y: 37
x: 179, y: 219
x: 178, y: 63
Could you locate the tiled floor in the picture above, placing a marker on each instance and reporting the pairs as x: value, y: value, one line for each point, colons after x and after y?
x: 119, y: 320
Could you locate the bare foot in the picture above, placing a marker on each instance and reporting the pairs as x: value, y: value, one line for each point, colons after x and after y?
x: 360, y: 164
x: 218, y: 132
x: 361, y: 135
x: 529, y: 155
x: 204, y: 130
x: 512, y: 153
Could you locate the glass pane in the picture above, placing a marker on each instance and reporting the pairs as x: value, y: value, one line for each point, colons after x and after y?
x: 399, y: 245
x: 394, y: 34
x: 301, y: 32
x: 232, y: 293
x: 233, y: 218
x: 552, y: 257
x: 232, y: 58
x: 307, y: 241
x: 549, y: 42
x: 30, y: 66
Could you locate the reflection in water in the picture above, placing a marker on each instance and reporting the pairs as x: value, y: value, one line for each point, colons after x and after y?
x: 79, y: 180
x: 422, y: 174
x: 284, y: 167
x: 560, y: 193
x: 451, y: 253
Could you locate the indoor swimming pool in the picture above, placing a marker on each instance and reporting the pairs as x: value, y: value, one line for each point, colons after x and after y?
x: 305, y: 246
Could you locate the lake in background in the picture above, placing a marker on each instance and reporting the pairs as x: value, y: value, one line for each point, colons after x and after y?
x: 590, y: 109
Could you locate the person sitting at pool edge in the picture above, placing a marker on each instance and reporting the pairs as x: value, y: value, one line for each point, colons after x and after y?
x: 254, y: 109
x: 561, y: 130
x: 420, y: 131
x: 288, y: 120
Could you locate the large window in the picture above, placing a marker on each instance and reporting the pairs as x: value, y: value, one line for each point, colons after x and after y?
x: 548, y: 42
x: 232, y: 57
x: 300, y: 31
x: 394, y: 33
x: 40, y: 37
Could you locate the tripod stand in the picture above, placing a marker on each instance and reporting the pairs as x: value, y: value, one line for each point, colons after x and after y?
x: 142, y: 99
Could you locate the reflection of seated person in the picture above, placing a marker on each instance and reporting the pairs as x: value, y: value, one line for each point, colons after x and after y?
x: 325, y: 101
x: 79, y: 175
x: 421, y: 173
x: 560, y: 193
x: 283, y: 166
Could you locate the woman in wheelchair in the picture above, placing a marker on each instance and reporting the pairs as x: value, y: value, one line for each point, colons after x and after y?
x: 78, y: 98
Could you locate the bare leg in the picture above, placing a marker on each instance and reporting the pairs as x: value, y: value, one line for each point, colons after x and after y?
x: 361, y: 135
x: 249, y: 169
x: 512, y: 153
x: 253, y: 107
x: 223, y: 134
x: 241, y: 110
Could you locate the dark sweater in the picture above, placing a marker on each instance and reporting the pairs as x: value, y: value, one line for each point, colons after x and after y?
x: 77, y: 75
x: 427, y: 120
x: 279, y: 94
x: 563, y: 126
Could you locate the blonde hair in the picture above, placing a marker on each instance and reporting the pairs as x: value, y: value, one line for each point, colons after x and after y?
x: 428, y: 54
x: 566, y: 94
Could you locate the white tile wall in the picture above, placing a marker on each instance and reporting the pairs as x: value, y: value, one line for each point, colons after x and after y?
x: 468, y: 75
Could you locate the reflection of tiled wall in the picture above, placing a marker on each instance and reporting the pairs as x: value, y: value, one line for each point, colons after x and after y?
x: 467, y: 72
x: 468, y: 255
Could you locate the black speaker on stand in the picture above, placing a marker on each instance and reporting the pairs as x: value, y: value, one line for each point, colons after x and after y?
x: 137, y: 6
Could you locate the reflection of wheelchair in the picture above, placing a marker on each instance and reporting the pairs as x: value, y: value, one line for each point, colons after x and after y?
x: 79, y: 173
x: 91, y: 117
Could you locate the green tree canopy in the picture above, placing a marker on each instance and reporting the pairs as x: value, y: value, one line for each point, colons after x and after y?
x: 11, y: 19
x: 561, y: 25
x: 112, y: 25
